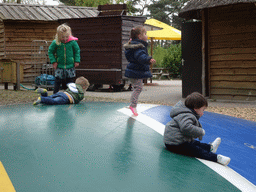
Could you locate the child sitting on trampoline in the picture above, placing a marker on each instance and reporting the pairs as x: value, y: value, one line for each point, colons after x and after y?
x: 72, y: 95
x: 181, y: 132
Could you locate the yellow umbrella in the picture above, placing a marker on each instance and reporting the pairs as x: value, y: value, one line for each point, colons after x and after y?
x: 167, y: 33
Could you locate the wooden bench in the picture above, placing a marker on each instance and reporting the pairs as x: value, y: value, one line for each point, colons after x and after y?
x: 160, y: 72
x: 157, y: 72
x: 165, y: 73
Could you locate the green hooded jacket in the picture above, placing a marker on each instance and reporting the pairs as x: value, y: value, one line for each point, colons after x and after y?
x: 78, y: 95
x: 65, y: 54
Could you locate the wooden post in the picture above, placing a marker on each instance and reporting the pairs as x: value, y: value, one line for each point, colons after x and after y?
x: 6, y: 86
x: 17, y: 76
x: 205, y: 58
x: 203, y: 53
x: 151, y: 48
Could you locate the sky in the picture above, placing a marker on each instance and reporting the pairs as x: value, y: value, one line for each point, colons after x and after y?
x: 51, y: 2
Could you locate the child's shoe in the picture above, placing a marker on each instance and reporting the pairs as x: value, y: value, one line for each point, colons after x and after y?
x: 37, y: 101
x: 223, y: 160
x: 40, y: 90
x: 215, y: 144
x: 134, y: 111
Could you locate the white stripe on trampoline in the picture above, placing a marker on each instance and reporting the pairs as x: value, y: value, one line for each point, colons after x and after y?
x: 229, y: 174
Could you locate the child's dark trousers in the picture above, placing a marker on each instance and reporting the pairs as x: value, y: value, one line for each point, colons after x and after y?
x: 194, y: 149
x: 62, y: 82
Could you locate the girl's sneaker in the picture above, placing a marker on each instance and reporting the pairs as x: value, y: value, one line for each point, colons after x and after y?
x: 215, y: 144
x: 134, y: 111
x: 40, y: 90
x: 223, y: 160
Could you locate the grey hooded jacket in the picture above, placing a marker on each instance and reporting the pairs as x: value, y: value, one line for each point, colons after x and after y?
x: 184, y: 126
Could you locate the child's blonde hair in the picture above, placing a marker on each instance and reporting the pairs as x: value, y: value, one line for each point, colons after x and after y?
x: 135, y: 32
x: 61, y: 30
x: 83, y: 82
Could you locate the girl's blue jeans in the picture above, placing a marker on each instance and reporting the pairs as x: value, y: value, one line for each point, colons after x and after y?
x: 58, y: 98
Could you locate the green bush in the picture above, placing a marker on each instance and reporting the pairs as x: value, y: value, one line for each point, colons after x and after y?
x: 172, y: 60
x: 169, y: 58
x: 158, y: 54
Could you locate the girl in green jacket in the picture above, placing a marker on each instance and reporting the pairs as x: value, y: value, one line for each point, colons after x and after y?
x: 64, y: 54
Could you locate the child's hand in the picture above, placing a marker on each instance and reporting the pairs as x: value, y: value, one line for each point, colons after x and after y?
x: 201, y: 137
x: 55, y: 65
x: 76, y: 64
x: 152, y: 61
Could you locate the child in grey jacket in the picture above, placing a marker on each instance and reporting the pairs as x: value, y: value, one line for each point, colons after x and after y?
x: 181, y: 132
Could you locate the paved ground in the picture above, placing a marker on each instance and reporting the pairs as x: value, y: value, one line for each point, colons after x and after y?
x: 165, y: 92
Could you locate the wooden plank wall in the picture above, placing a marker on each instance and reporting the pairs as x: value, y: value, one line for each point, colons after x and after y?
x: 232, y: 52
x: 18, y: 41
x: 2, y: 44
x: 99, y: 39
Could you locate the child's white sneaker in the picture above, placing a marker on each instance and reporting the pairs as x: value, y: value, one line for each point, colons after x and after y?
x: 215, y: 144
x: 223, y: 160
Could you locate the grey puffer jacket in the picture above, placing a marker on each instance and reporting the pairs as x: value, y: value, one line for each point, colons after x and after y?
x: 184, y: 126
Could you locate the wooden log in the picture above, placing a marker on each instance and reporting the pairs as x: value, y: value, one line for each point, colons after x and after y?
x: 242, y: 78
x: 235, y: 71
x: 233, y: 85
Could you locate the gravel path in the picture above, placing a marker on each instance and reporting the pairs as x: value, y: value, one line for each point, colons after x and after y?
x: 167, y: 92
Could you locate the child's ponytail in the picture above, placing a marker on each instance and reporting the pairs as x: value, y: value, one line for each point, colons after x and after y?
x: 135, y: 32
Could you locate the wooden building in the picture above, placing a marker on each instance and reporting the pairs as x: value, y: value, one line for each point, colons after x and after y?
x: 228, y: 32
x: 20, y: 25
x: 101, y: 41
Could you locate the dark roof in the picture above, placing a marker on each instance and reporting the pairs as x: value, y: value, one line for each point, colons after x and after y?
x: 192, y: 9
x: 10, y: 11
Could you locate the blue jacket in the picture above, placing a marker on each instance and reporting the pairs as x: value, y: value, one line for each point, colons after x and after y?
x: 137, y: 55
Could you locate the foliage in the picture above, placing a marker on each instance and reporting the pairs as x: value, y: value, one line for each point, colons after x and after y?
x: 167, y: 11
x: 172, y: 60
x: 35, y: 2
x: 168, y: 57
x: 138, y: 7
x: 159, y: 53
x: 86, y: 3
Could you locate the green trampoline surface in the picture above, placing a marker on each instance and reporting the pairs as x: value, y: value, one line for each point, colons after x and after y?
x: 93, y: 147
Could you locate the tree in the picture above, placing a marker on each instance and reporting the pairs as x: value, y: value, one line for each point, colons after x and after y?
x: 86, y: 3
x: 35, y: 2
x: 167, y: 11
x: 138, y: 7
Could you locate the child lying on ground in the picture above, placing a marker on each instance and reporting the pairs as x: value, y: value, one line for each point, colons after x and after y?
x: 181, y: 132
x: 72, y: 95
